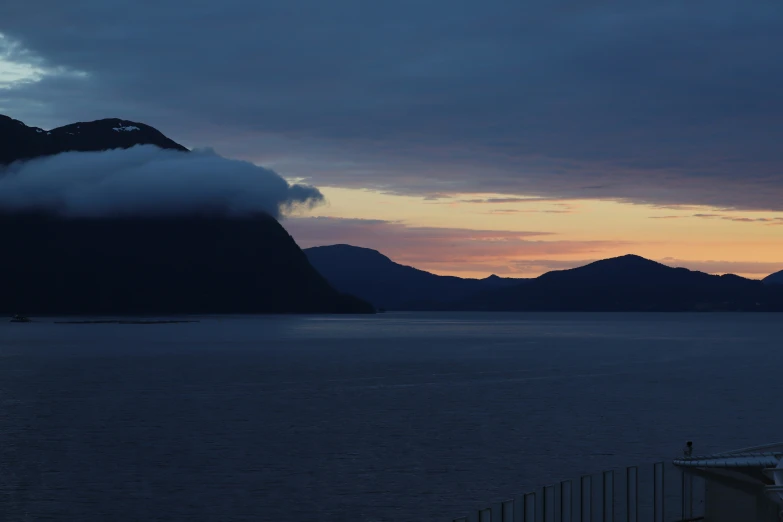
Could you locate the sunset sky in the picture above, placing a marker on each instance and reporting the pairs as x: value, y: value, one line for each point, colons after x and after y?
x: 460, y: 137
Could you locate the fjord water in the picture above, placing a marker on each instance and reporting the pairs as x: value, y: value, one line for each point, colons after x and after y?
x: 395, y: 417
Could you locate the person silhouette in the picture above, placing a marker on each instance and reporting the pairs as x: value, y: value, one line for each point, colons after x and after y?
x: 688, y: 449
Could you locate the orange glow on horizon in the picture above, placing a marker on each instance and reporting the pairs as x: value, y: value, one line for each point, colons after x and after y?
x: 534, y: 236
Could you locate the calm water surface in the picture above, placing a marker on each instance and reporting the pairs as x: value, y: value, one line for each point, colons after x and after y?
x: 396, y: 417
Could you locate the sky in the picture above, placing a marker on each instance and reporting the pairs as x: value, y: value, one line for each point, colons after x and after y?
x: 461, y: 137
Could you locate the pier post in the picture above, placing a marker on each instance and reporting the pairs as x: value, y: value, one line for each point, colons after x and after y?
x: 548, y: 504
x: 608, y: 496
x: 687, y: 495
x: 529, y: 508
x: 566, y: 501
x: 632, y: 494
x: 507, y: 511
x: 586, y: 500
x: 658, y: 492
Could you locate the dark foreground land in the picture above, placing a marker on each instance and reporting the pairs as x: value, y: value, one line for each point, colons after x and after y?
x: 159, y: 266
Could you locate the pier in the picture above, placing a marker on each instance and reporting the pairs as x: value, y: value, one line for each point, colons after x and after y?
x: 739, y: 486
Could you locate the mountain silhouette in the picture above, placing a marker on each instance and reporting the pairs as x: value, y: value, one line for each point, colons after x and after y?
x: 776, y: 278
x: 631, y: 269
x: 630, y: 283
x: 374, y: 277
x: 143, y: 265
x: 174, y: 265
x: 625, y: 283
x: 20, y: 142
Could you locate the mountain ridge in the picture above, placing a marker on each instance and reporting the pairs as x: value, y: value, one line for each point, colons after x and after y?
x: 623, y: 283
x: 19, y: 142
x: 776, y: 278
x: 371, y: 275
x: 195, y: 263
x: 631, y: 283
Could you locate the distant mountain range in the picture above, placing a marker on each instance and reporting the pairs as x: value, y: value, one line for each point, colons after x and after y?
x: 19, y: 142
x: 632, y: 283
x: 177, y: 265
x: 370, y: 275
x: 776, y: 278
x: 626, y: 283
x: 208, y: 264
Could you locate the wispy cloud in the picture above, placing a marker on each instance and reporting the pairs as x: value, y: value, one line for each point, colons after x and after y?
x: 544, y: 205
x: 738, y: 219
x: 749, y: 268
x: 685, y: 208
x: 775, y: 220
x: 510, y: 200
x: 528, y: 211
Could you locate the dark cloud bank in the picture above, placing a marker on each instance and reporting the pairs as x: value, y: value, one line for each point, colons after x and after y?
x: 147, y: 181
x: 661, y: 102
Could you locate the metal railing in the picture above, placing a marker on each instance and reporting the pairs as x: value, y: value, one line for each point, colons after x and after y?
x: 657, y: 492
